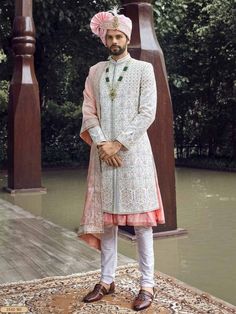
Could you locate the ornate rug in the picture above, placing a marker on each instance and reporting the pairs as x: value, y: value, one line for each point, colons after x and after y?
x: 64, y: 295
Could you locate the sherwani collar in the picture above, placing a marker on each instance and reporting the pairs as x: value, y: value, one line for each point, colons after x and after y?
x: 119, y: 61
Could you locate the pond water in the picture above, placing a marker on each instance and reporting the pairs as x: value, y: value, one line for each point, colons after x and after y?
x: 204, y: 258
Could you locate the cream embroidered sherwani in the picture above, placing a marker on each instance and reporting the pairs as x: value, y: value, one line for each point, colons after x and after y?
x: 133, y: 187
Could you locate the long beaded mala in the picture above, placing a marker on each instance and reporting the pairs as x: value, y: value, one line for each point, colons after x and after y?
x: 113, y: 89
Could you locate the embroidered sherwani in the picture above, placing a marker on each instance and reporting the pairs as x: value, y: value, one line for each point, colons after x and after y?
x: 129, y: 193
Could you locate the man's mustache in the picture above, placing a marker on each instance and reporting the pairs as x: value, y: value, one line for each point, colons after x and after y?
x: 115, y: 46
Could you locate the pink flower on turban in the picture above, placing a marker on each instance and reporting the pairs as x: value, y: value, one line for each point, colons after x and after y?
x: 103, y: 21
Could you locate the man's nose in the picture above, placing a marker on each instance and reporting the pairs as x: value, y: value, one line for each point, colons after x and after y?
x: 114, y: 41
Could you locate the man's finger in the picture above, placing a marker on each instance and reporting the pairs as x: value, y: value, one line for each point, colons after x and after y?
x: 118, y: 157
x: 103, y: 156
x: 115, y: 163
x: 109, y: 162
x: 118, y: 160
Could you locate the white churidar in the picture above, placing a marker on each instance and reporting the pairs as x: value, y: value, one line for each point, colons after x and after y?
x: 145, y: 251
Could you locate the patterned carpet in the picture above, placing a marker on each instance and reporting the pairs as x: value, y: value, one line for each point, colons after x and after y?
x: 64, y: 295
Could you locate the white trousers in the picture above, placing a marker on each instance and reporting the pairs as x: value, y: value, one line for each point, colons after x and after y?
x: 145, y: 253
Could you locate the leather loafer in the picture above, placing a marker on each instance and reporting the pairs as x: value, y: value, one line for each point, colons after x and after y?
x: 143, y: 300
x: 98, y: 292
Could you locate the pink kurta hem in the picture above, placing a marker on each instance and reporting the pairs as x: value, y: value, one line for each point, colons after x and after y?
x: 148, y: 219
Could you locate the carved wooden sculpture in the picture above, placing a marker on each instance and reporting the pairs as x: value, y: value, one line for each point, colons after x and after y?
x: 24, y: 138
x: 144, y: 46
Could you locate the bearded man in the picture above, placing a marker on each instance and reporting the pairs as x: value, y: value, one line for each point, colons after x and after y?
x: 119, y: 106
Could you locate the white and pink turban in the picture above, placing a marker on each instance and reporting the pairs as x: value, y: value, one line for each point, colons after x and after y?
x: 103, y: 21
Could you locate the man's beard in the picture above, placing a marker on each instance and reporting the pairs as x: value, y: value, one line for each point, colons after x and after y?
x: 118, y: 51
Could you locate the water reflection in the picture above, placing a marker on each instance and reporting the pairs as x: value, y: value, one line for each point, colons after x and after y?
x: 206, y: 200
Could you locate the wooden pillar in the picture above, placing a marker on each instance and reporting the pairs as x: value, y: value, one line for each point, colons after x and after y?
x: 144, y: 46
x: 24, y: 132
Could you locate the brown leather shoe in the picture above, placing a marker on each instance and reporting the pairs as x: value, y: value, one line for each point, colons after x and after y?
x: 98, y: 292
x: 143, y: 300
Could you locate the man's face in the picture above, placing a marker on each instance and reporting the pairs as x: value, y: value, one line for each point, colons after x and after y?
x: 116, y: 42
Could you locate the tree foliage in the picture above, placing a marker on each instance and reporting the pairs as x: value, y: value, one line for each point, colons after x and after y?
x: 198, y: 39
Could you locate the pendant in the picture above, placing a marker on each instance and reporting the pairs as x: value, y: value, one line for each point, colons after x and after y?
x: 112, y: 94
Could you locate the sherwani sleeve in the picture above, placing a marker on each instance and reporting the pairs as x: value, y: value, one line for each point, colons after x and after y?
x: 91, y: 122
x: 96, y: 134
x: 147, y: 109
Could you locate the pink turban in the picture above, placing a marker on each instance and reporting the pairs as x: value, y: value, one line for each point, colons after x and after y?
x: 103, y: 21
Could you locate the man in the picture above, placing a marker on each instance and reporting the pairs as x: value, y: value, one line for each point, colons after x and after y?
x: 119, y: 106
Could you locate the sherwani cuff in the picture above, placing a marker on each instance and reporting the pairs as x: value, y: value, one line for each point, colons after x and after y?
x: 125, y: 144
x: 97, y: 135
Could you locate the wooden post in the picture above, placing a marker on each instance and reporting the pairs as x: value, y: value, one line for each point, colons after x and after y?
x: 24, y: 132
x: 144, y: 46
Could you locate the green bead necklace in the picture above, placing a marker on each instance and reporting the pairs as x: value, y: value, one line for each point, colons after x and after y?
x: 113, y: 89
